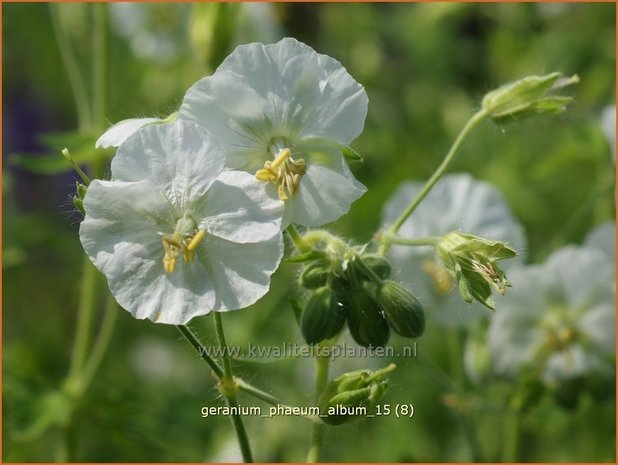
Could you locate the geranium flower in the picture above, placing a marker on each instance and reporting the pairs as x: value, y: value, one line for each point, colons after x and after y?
x: 175, y: 235
x: 456, y: 203
x: 560, y: 318
x: 286, y: 114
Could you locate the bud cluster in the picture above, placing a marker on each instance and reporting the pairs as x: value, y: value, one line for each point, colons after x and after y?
x: 355, y: 286
x: 352, y: 392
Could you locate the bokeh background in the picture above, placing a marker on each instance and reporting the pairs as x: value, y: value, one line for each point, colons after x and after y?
x: 425, y: 68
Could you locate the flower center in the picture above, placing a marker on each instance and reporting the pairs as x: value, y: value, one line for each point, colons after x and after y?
x: 285, y: 171
x: 185, y: 239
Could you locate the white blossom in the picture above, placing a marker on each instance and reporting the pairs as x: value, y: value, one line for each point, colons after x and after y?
x: 176, y: 235
x: 285, y: 113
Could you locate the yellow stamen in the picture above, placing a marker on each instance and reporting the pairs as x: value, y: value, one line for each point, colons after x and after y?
x: 266, y: 175
x: 172, y: 247
x: 282, y: 156
x: 285, y: 171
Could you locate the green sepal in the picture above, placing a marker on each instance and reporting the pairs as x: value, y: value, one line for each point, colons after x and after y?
x: 350, y: 154
x: 403, y: 312
x: 314, y: 275
x: 366, y: 321
x: 310, y: 256
x: 322, y: 317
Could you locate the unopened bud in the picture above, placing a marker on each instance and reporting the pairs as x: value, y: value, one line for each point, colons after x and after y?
x: 352, y: 394
x: 527, y: 97
x: 378, y: 264
x: 322, y: 317
x: 366, y: 320
x: 314, y: 275
x: 403, y: 312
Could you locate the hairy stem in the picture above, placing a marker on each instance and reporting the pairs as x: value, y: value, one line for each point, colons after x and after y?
x: 321, y: 379
x: 228, y: 389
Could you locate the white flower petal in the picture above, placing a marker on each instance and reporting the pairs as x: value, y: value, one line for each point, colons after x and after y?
x: 181, y: 157
x: 120, y: 131
x: 569, y: 363
x: 323, y: 195
x: 279, y: 90
x: 579, y: 274
x: 237, y: 208
x: 120, y: 236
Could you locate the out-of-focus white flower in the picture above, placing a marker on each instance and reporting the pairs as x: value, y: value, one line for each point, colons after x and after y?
x: 175, y: 235
x: 286, y: 114
x: 559, y: 319
x: 603, y: 237
x: 456, y: 203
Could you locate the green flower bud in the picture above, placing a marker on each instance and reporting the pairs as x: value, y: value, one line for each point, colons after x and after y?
x: 322, y: 317
x: 78, y: 198
x: 314, y: 275
x: 403, y: 312
x: 527, y: 97
x: 471, y: 260
x: 352, y: 394
x: 366, y: 321
x: 378, y: 264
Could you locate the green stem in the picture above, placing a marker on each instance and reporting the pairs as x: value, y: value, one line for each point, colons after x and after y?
x: 74, y: 75
x: 512, y: 433
x: 98, y: 68
x: 388, y: 238
x: 201, y: 350
x: 298, y: 241
x: 472, y: 122
x: 101, y: 343
x: 228, y: 389
x: 321, y: 380
x: 85, y: 311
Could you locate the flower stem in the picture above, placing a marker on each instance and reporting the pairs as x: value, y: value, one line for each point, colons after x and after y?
x: 298, y: 241
x: 472, y: 122
x: 85, y: 310
x: 388, y: 238
x: 76, y: 80
x: 101, y: 343
x: 201, y: 350
x: 321, y: 379
x: 228, y: 389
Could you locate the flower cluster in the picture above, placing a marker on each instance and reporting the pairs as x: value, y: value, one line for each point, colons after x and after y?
x: 191, y: 221
x: 354, y: 286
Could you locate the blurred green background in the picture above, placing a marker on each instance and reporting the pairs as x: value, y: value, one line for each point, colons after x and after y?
x: 425, y: 68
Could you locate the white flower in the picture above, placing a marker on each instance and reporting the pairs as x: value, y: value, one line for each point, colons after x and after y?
x: 176, y: 236
x: 559, y: 319
x: 456, y: 203
x: 285, y: 112
x: 122, y: 130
